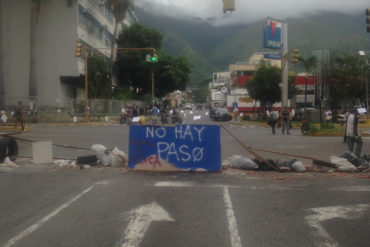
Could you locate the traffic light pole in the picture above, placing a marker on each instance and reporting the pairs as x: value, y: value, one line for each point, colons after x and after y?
x: 86, y: 88
x: 85, y: 51
x: 152, y: 87
x: 284, y: 69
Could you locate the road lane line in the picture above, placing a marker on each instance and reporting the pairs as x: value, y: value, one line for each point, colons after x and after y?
x: 233, y: 226
x: 141, y: 219
x: 39, y: 223
x: 327, y: 213
x: 172, y: 184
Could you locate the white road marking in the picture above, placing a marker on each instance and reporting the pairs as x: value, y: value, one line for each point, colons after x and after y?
x: 351, y: 188
x: 233, y: 226
x: 39, y: 223
x: 327, y: 213
x: 141, y: 218
x: 172, y: 184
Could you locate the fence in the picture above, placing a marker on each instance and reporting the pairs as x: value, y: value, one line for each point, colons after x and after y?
x: 64, y: 110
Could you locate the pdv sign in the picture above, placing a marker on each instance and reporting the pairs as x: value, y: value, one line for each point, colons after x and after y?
x: 272, y: 35
x: 175, y: 148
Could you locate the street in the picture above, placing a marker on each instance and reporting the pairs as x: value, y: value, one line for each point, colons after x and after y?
x: 47, y: 205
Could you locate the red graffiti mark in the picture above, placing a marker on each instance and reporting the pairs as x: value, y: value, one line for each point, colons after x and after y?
x: 153, y: 161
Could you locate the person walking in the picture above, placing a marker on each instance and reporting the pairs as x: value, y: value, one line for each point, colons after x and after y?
x: 236, y: 112
x: 353, y: 133
x: 285, y: 115
x: 155, y: 112
x: 19, y: 115
x: 345, y: 126
x: 274, y: 115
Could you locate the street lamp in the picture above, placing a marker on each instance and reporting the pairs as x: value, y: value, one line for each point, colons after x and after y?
x: 363, y: 54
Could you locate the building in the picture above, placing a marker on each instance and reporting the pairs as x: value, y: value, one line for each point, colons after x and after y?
x: 220, y: 79
x: 241, y: 72
x: 300, y: 96
x: 59, y: 25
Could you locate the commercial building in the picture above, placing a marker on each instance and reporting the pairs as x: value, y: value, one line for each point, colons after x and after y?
x: 45, y: 47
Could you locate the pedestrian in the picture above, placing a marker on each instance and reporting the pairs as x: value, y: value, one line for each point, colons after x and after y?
x: 353, y: 133
x: 134, y: 111
x: 274, y: 116
x: 285, y: 115
x: 3, y: 118
x: 155, y: 112
x: 328, y: 116
x: 236, y: 112
x: 345, y: 124
x: 19, y: 115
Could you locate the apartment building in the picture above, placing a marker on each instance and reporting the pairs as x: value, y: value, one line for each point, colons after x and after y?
x: 59, y: 25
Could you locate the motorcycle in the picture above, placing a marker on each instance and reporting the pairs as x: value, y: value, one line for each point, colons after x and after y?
x: 125, y: 118
x: 164, y: 117
x: 176, y: 118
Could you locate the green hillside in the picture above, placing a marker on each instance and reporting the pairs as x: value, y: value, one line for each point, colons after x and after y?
x: 211, y: 49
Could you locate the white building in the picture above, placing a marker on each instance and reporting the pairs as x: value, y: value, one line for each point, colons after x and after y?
x: 60, y: 24
x: 220, y: 79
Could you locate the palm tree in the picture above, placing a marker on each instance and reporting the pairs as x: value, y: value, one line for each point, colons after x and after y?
x: 308, y: 64
x: 35, y: 9
x: 119, y: 8
x: 2, y: 87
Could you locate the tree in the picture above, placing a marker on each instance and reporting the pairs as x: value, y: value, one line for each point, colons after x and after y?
x: 202, y: 91
x: 119, y: 8
x: 99, y: 78
x: 308, y: 64
x: 265, y: 85
x: 346, y: 80
x: 170, y: 72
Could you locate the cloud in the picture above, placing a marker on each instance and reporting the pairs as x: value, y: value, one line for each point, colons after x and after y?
x: 248, y: 11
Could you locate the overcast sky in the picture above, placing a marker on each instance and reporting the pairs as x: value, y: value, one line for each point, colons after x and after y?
x: 250, y: 10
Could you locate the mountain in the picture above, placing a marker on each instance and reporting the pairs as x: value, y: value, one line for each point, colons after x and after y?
x: 212, y: 48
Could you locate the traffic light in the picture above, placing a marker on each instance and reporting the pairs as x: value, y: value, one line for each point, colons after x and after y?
x: 368, y: 19
x: 78, y: 49
x: 152, y: 58
x: 295, y: 55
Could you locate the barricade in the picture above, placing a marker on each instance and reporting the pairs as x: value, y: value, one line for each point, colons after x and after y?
x: 175, y: 148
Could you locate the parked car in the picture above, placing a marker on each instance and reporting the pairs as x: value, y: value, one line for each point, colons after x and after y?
x: 188, y: 106
x: 221, y: 114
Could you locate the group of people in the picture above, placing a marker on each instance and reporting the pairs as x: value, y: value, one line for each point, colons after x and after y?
x: 353, y: 135
x: 286, y: 117
x: 19, y: 116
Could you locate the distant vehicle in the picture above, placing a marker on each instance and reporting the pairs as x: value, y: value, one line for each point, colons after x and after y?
x: 188, y: 106
x: 221, y: 114
x: 199, y: 106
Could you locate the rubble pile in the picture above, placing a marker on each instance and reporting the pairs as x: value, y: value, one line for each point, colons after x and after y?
x: 250, y: 163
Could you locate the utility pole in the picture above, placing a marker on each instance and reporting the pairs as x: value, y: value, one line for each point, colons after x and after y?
x: 86, y: 88
x: 284, y: 66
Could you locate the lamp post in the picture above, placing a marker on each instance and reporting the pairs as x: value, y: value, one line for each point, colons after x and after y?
x: 363, y: 54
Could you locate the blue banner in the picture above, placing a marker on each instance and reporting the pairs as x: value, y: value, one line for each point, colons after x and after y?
x: 180, y: 147
x: 272, y: 35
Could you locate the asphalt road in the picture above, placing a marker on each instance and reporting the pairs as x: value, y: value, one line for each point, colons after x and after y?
x: 44, y: 205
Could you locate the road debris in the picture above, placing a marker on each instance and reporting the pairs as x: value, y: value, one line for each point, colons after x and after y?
x: 240, y: 162
x: 65, y: 163
x: 342, y: 164
x: 114, y: 158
